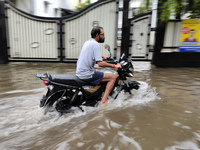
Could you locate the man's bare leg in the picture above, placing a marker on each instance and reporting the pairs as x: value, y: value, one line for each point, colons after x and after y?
x: 111, y: 81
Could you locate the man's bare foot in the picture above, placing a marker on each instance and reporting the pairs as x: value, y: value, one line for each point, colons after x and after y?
x: 102, y: 103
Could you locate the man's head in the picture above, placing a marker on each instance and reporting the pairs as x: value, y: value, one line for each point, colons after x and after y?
x: 98, y: 34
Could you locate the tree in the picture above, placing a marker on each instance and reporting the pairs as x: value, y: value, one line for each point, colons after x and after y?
x: 178, y: 8
x: 82, y: 6
x: 145, y: 6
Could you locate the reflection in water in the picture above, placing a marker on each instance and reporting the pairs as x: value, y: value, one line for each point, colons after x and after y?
x: 163, y: 114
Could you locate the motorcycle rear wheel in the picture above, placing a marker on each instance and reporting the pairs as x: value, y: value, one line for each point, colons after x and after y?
x: 59, y: 102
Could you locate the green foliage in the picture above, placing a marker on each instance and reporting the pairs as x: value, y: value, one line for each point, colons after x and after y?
x: 164, y: 16
x: 145, y: 6
x: 82, y: 6
x: 196, y: 9
x: 177, y: 8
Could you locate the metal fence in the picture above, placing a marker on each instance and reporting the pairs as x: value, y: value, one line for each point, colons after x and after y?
x: 172, y: 37
x: 140, y: 35
x: 31, y: 37
x: 58, y: 39
x: 34, y: 38
x: 77, y: 28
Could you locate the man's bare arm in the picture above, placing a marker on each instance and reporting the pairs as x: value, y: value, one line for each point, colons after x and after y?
x: 105, y: 64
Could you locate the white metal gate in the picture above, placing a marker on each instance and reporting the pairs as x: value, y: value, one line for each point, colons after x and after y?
x: 140, y: 37
x: 31, y: 37
x: 77, y: 28
x: 58, y: 39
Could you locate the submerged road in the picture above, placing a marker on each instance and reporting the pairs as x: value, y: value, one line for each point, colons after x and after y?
x: 163, y: 114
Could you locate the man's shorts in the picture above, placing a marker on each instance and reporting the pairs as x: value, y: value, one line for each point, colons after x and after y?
x: 96, y: 78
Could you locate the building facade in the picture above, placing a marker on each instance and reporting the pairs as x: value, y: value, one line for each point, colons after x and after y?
x: 49, y: 8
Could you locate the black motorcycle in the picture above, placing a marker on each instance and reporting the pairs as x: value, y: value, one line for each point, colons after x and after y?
x: 62, y: 91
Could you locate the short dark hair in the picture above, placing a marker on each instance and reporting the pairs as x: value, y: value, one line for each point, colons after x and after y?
x: 95, y: 31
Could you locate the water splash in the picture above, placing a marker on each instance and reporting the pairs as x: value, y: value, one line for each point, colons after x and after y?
x: 22, y: 114
x: 143, y: 95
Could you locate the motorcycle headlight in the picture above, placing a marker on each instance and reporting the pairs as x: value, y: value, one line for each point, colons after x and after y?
x: 130, y: 75
x: 124, y: 64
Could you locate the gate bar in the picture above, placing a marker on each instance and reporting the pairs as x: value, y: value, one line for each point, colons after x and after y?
x: 3, y: 40
x: 125, y: 29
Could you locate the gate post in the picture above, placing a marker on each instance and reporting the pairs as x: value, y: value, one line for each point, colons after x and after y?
x: 61, y: 33
x: 125, y: 29
x: 159, y: 36
x: 3, y: 40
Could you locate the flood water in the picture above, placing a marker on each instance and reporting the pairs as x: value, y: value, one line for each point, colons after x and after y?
x: 164, y: 114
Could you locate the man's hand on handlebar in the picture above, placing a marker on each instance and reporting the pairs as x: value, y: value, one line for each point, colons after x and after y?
x: 104, y: 57
x: 118, y: 66
x: 107, y: 58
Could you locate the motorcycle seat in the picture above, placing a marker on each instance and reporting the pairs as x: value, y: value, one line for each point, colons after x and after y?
x: 68, y: 79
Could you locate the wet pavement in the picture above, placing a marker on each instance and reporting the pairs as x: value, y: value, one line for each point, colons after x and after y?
x: 163, y: 114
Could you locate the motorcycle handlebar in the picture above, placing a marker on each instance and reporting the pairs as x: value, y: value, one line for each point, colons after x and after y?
x: 115, y: 61
x: 109, y: 58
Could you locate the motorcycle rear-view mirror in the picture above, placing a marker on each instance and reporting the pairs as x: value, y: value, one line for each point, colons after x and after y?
x: 108, y: 48
x: 123, y: 56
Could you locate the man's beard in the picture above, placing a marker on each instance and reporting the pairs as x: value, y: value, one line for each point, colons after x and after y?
x: 101, y: 40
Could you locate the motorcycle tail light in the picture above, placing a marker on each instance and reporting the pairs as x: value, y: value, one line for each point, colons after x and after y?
x: 46, y: 83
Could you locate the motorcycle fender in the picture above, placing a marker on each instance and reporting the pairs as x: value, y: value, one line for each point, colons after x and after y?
x: 47, y: 94
x: 53, y: 97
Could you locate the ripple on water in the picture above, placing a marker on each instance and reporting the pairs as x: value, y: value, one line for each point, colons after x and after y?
x: 22, y: 114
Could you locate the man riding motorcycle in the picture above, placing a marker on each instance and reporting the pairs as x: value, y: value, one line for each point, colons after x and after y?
x: 65, y: 91
x: 90, y: 54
